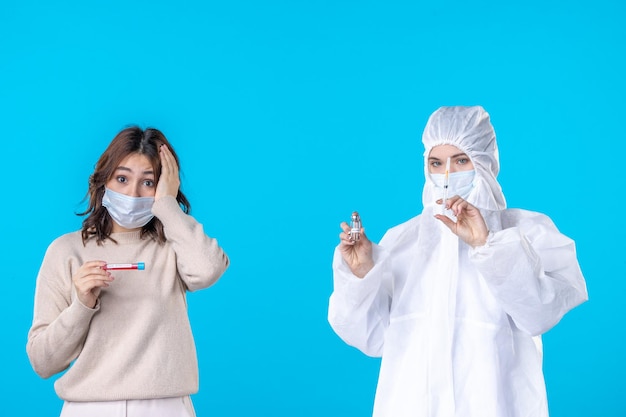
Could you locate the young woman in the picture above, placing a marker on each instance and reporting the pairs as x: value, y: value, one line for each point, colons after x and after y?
x: 123, y: 337
x: 455, y: 300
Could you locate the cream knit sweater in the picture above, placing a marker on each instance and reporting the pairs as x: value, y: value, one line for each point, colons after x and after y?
x: 137, y: 342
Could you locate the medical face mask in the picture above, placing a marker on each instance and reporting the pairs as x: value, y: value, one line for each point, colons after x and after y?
x: 459, y: 183
x: 129, y: 212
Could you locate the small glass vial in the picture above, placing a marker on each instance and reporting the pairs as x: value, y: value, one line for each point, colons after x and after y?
x: 355, y: 226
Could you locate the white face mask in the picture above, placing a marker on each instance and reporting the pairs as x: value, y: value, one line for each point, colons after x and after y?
x: 459, y: 183
x: 129, y: 212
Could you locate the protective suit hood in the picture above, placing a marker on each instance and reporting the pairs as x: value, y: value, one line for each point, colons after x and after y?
x: 470, y: 130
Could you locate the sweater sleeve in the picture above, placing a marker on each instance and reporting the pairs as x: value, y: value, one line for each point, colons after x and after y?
x: 200, y: 260
x: 531, y: 268
x: 359, y: 307
x: 60, y: 321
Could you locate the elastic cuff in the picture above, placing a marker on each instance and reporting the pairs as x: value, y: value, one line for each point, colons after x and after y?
x: 487, y: 244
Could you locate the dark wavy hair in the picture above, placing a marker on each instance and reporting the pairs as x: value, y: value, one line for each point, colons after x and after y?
x: 98, y: 223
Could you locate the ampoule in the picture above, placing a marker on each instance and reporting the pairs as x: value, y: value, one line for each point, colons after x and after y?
x: 355, y: 226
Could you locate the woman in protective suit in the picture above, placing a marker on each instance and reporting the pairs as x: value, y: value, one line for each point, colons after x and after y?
x: 455, y: 300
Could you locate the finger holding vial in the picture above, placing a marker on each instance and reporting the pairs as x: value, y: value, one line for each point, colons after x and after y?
x: 355, y: 247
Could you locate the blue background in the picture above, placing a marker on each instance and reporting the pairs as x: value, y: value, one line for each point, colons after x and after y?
x: 288, y: 115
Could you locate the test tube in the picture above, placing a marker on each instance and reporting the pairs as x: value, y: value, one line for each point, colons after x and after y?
x: 120, y: 267
x: 355, y: 226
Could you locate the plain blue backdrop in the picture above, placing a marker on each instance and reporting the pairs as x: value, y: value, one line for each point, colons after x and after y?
x: 288, y: 115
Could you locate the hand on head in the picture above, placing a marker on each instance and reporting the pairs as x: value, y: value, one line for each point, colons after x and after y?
x: 169, y: 181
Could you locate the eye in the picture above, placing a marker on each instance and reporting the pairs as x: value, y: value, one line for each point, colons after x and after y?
x: 121, y: 178
x: 435, y: 164
x: 148, y: 183
x: 462, y: 161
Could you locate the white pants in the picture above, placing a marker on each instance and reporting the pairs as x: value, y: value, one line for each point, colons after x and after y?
x: 160, y: 407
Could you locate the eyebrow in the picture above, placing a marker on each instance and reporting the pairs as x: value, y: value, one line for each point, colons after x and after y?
x: 452, y: 157
x: 123, y: 168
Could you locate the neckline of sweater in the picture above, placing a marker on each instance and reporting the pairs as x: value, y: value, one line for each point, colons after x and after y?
x: 126, y: 237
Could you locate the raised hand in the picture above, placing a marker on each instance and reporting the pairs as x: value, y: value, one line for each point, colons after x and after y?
x: 169, y: 181
x: 356, y: 253
x: 469, y: 226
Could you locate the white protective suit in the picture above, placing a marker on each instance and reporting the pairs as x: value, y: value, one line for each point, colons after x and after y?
x: 458, y: 328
